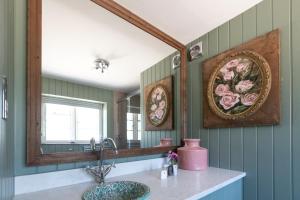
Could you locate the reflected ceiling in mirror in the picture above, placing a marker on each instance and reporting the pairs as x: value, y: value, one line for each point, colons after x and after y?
x: 75, y: 33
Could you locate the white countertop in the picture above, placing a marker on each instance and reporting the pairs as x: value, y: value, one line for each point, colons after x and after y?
x: 188, y: 185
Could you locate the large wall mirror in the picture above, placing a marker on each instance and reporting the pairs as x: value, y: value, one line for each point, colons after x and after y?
x: 87, y: 65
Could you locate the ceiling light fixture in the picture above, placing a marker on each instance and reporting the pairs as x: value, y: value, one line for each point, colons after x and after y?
x: 101, y: 64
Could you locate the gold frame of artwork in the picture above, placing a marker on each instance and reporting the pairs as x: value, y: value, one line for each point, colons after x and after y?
x: 264, y: 51
x: 265, y: 71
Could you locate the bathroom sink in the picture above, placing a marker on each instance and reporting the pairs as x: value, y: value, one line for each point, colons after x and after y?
x: 119, y: 190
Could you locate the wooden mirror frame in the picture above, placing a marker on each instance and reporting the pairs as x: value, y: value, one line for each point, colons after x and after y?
x: 34, y: 54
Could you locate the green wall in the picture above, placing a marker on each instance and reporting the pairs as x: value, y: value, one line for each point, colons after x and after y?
x: 157, y: 72
x: 268, y: 154
x: 6, y: 126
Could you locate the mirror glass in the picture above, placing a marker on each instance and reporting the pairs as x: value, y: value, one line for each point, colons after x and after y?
x: 92, y: 77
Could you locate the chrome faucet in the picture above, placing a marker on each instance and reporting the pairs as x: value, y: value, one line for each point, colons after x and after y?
x: 101, y: 170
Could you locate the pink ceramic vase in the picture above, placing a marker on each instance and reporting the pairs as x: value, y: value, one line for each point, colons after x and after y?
x: 192, y: 156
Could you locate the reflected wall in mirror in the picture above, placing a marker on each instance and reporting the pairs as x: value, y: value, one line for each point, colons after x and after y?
x: 93, y: 75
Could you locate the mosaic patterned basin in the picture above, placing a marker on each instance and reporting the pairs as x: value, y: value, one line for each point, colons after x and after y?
x: 120, y: 190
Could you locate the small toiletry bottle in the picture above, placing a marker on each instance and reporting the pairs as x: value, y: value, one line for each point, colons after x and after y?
x: 164, y: 172
x: 170, y: 170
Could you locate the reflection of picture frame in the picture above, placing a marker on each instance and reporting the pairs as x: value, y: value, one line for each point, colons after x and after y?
x: 195, y: 51
x: 158, y: 103
x: 241, y: 85
x: 176, y: 61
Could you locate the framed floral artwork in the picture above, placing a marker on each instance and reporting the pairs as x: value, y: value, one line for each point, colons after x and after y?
x: 158, y: 101
x: 241, y: 85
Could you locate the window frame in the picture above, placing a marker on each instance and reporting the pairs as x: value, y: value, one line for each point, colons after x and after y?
x: 74, y: 102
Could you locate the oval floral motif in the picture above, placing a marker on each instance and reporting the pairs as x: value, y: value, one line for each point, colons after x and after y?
x: 239, y: 86
x: 157, y: 105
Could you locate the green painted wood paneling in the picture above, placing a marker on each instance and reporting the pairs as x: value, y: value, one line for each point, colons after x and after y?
x: 282, y: 133
x: 295, y: 42
x: 155, y: 73
x: 6, y: 126
x: 269, y: 154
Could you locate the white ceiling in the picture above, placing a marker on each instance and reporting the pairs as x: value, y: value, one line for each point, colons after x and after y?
x: 186, y: 20
x: 76, y: 32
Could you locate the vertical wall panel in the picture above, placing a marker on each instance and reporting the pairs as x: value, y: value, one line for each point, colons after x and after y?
x: 250, y: 134
x: 236, y: 134
x: 6, y: 126
x: 224, y: 134
x: 204, y: 133
x: 265, y: 134
x: 295, y: 5
x: 282, y: 133
x: 213, y: 150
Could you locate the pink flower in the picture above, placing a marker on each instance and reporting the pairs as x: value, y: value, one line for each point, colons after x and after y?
x: 158, y: 97
x: 229, y: 66
x: 244, y: 86
x: 162, y: 104
x: 249, y: 99
x: 229, y: 100
x: 222, y: 89
x: 228, y: 75
x: 152, y: 115
x: 233, y: 63
x: 153, y: 97
x: 159, y: 113
x: 242, y: 67
x: 153, y: 107
x: 158, y: 91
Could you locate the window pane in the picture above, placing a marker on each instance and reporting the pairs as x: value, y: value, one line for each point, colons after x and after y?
x: 130, y: 125
x: 139, y: 117
x: 87, y: 123
x: 129, y: 116
x: 139, y: 125
x: 129, y: 135
x: 59, y: 122
x: 139, y: 135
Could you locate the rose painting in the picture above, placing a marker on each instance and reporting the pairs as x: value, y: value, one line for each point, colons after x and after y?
x: 241, y: 86
x: 158, y: 105
x: 237, y: 85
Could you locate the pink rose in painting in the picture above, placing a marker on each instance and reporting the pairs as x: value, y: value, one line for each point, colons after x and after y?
x: 249, y: 99
x: 158, y: 97
x: 228, y: 75
x: 153, y: 107
x: 153, y: 97
x: 244, y: 86
x: 159, y: 113
x: 229, y: 100
x: 158, y: 91
x: 242, y: 67
x: 162, y: 104
x: 222, y: 89
x: 233, y: 63
x: 229, y: 66
x: 152, y: 115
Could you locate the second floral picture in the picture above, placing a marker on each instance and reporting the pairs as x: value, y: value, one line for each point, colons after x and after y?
x: 158, y: 101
